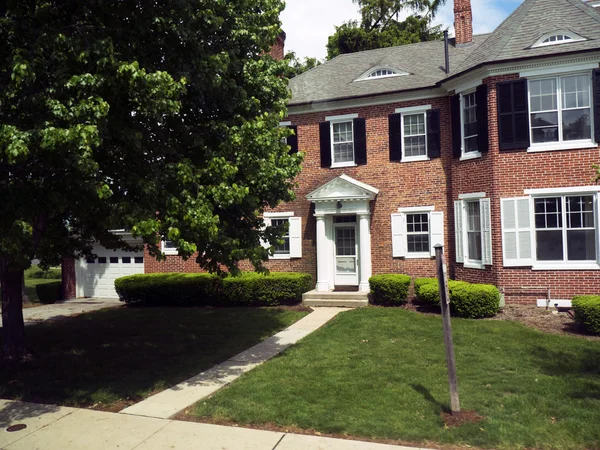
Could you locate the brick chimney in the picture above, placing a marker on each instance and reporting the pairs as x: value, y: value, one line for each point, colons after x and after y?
x: 463, y: 22
x: 278, y: 49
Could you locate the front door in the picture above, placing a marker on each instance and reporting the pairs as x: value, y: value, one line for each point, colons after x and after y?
x: 346, y: 254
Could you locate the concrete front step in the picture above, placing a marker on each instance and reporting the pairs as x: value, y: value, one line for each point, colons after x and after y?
x: 336, y: 299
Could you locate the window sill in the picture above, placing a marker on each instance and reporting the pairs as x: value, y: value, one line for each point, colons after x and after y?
x: 474, y: 265
x: 556, y: 146
x: 423, y: 255
x: 469, y: 156
x: 340, y: 165
x: 414, y: 159
x: 565, y: 266
x: 280, y: 257
x: 171, y: 253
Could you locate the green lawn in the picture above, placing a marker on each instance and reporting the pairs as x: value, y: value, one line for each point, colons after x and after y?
x: 381, y: 373
x: 112, y: 358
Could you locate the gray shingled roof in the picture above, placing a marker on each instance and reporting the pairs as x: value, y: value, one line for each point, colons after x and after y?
x: 424, y: 61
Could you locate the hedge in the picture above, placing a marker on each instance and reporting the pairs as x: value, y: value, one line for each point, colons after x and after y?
x: 587, y: 311
x: 466, y: 300
x: 179, y: 289
x: 49, y: 292
x: 391, y: 289
x: 255, y: 289
x: 51, y: 274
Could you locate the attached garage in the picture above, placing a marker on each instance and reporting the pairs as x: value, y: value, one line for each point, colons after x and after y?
x: 95, y: 277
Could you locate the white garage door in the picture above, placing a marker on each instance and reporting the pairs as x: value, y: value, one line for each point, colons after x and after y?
x: 96, y: 277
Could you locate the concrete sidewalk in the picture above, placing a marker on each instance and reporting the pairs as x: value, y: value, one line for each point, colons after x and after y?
x: 54, y: 427
x: 167, y: 403
x: 66, y: 308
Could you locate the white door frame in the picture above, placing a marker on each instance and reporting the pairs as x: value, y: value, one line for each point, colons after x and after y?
x: 346, y: 279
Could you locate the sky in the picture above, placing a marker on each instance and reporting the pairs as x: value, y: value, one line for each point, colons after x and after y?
x: 308, y: 23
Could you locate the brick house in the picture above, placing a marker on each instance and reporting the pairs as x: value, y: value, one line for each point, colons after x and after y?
x: 486, y: 149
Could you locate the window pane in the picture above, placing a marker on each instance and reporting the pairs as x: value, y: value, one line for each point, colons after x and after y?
x: 126, y: 259
x: 415, y: 146
x: 284, y: 248
x: 169, y: 244
x: 139, y: 259
x: 90, y: 260
x: 418, y: 243
x: 543, y: 95
x: 474, y: 240
x: 575, y: 91
x: 114, y: 259
x: 473, y: 220
x: 544, y: 119
x: 581, y: 245
x: 102, y: 260
x: 544, y: 135
x: 471, y: 144
x: 549, y: 245
x: 576, y: 124
x: 343, y: 152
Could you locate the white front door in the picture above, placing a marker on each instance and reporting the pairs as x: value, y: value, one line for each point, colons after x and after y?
x: 346, y: 254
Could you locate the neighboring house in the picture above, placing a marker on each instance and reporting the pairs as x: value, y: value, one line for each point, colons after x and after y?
x: 491, y: 157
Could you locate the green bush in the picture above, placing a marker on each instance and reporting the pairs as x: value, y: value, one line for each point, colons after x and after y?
x: 474, y: 301
x: 184, y: 289
x: 165, y: 289
x: 427, y: 291
x: 390, y: 289
x: 587, y: 312
x: 51, y: 274
x: 49, y: 292
x: 255, y: 289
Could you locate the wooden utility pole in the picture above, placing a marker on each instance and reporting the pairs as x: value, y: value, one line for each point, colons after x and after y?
x: 445, y: 303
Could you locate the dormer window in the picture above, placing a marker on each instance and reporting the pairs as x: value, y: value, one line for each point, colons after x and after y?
x: 557, y: 38
x: 375, y: 73
x: 379, y: 73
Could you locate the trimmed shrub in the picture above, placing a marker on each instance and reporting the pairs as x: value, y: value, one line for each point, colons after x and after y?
x: 51, y: 274
x: 165, y: 289
x: 256, y: 289
x: 49, y: 292
x: 426, y: 290
x: 391, y: 289
x: 474, y: 301
x: 587, y: 311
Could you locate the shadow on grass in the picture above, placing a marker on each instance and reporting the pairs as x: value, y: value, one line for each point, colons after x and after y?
x: 112, y: 358
x: 439, y: 406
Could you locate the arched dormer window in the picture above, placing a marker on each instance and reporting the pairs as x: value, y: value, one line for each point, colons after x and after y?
x: 557, y: 38
x: 376, y: 73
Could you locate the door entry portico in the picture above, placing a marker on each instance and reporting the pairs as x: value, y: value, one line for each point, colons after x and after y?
x: 343, y: 219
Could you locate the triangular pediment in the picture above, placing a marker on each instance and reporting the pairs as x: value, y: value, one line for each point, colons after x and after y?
x: 343, y: 188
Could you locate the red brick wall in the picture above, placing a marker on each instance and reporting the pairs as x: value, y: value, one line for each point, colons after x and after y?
x: 463, y: 21
x: 278, y: 49
x: 69, y: 289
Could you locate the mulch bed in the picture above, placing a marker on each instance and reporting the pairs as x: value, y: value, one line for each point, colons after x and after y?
x: 461, y: 418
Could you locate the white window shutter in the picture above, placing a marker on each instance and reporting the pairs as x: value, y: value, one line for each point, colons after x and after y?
x: 458, y: 230
x: 436, y: 229
x: 486, y: 231
x: 267, y: 223
x: 398, y: 235
x: 517, y: 242
x: 295, y: 231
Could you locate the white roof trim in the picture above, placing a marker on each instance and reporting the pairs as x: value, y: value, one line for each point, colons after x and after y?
x: 343, y: 188
x: 365, y: 75
x: 573, y: 37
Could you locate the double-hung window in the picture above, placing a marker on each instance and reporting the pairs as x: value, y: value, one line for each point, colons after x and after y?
x: 169, y: 248
x: 470, y: 133
x: 414, y: 135
x: 290, y: 238
x: 560, y: 109
x: 415, y: 232
x: 472, y: 226
x: 551, y: 229
x: 343, y: 142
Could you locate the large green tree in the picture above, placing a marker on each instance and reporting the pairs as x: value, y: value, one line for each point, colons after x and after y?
x: 379, y: 26
x: 158, y: 116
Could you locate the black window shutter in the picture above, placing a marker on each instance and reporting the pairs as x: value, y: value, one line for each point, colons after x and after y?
x: 456, y: 126
x: 481, y: 95
x: 395, y: 136
x: 292, y: 140
x: 360, y: 141
x: 596, y: 88
x: 513, y: 115
x: 434, y: 144
x: 325, y: 140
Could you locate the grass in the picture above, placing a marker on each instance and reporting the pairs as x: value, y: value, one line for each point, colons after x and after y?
x: 112, y: 358
x: 381, y: 374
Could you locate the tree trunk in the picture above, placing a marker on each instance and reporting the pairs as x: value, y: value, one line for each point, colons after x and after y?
x: 13, y: 327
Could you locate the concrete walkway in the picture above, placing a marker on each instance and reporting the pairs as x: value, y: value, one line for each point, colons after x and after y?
x: 66, y: 308
x: 60, y: 428
x: 175, y: 399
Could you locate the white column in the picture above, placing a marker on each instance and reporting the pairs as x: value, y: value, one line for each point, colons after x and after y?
x: 322, y: 281
x: 364, y: 223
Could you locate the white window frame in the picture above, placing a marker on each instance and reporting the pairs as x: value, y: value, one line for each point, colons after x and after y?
x: 464, y: 156
x: 267, y: 217
x: 366, y: 76
x: 561, y: 144
x: 572, y: 38
x: 435, y: 232
x: 168, y: 251
x: 485, y: 230
x: 336, y: 120
x: 409, y: 111
x: 564, y: 264
x: 417, y: 210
